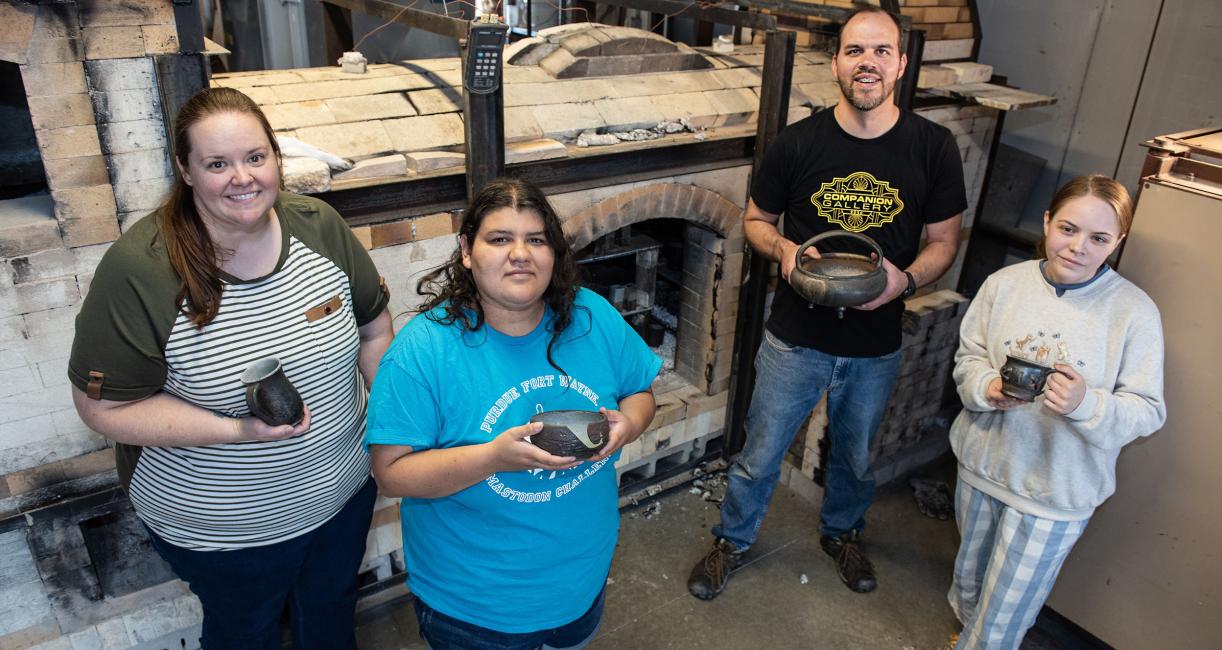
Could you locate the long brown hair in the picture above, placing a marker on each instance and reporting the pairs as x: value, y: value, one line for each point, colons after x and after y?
x: 452, y: 286
x: 1104, y: 188
x: 191, y: 250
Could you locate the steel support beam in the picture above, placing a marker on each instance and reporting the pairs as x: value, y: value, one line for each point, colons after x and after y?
x: 908, y: 85
x: 484, y: 136
x: 749, y: 328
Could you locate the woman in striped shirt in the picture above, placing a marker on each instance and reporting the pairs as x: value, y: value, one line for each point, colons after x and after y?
x: 256, y: 518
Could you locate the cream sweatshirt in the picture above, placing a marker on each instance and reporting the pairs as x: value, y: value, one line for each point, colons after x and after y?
x: 1039, y: 462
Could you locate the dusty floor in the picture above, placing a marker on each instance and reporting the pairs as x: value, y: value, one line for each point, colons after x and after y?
x: 787, y: 596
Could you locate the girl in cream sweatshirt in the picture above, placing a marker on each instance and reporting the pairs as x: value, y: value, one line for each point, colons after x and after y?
x: 1031, y: 474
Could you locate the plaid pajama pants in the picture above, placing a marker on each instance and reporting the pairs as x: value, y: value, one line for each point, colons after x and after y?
x: 1005, y: 568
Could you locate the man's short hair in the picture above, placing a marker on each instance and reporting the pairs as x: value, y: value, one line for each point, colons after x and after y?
x: 868, y: 9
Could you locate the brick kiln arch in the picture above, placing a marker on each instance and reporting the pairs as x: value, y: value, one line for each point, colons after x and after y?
x: 658, y: 201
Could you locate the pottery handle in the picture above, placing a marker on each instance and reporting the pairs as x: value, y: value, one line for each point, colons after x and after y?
x: 878, y: 258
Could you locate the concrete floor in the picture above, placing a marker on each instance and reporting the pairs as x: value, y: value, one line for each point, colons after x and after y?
x: 786, y: 596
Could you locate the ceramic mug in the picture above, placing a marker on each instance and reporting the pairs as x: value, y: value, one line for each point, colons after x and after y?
x: 1023, y: 379
x: 270, y: 395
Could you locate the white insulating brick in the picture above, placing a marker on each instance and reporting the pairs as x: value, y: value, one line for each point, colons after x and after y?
x: 11, y: 358
x: 12, y: 328
x: 143, y: 164
x: 114, y: 634
x: 189, y: 611
x: 152, y: 622
x: 44, y: 346
x: 20, y: 442
x: 127, y: 105
x: 58, y: 643
x: 112, y: 75
x: 23, y: 600
x: 122, y: 137
x: 142, y: 196
x: 694, y: 427
x: 53, y: 373
x: 43, y: 265
x: 17, y: 380
x: 388, y: 537
x: 87, y: 639
x: 40, y: 323
x: 37, y: 296
x: 32, y: 401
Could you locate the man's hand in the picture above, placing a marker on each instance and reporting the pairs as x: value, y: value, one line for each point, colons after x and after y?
x: 787, y: 256
x: 896, y: 283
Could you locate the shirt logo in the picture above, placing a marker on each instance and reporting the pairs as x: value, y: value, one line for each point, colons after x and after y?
x: 857, y: 202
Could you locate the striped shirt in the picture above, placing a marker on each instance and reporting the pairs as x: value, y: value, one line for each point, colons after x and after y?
x: 247, y: 494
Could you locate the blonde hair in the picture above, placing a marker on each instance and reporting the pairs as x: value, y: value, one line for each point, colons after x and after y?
x: 1104, y: 188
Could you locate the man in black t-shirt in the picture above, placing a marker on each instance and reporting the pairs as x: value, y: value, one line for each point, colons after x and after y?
x: 865, y: 167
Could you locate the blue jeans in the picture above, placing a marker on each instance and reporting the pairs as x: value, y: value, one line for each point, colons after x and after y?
x: 441, y: 632
x: 244, y: 591
x: 789, y: 380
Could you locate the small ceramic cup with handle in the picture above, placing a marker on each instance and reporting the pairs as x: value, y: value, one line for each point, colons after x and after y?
x: 270, y: 395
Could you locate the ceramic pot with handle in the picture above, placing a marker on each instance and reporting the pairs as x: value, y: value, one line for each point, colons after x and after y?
x: 839, y: 279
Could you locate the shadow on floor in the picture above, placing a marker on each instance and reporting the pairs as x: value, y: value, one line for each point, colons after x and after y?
x: 786, y: 596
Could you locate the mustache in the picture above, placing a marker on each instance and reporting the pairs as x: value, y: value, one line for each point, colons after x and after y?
x: 867, y: 69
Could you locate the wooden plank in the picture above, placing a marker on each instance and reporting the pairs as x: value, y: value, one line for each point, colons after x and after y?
x: 994, y: 96
x: 405, y: 15
x: 698, y: 11
x: 958, y: 30
x: 949, y: 50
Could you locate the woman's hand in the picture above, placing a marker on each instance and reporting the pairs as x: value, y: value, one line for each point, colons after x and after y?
x: 623, y: 431
x: 512, y: 452
x: 252, y: 429
x: 1064, y: 390
x: 998, y: 399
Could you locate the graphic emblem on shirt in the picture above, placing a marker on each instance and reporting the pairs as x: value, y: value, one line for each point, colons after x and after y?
x: 1043, y: 348
x: 857, y: 202
x: 553, y: 484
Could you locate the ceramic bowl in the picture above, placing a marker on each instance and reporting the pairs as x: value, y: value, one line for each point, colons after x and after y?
x: 581, y: 434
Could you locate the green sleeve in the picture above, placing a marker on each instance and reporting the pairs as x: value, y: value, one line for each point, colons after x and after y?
x: 126, y: 318
x: 321, y: 228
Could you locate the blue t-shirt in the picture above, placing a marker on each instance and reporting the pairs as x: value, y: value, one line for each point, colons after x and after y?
x: 518, y: 551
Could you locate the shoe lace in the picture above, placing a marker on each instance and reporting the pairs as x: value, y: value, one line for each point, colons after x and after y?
x: 852, y: 561
x: 717, y: 562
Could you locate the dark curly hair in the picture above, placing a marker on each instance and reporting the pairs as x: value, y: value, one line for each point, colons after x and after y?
x: 452, y: 286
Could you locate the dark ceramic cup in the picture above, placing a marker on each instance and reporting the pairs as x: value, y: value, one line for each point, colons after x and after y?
x: 1023, y: 379
x: 270, y: 395
x: 580, y: 434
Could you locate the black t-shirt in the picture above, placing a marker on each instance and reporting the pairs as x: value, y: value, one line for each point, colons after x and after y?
x: 886, y: 188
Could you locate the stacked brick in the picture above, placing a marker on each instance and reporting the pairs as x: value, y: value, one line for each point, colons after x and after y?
x: 948, y: 26
x: 942, y: 20
x: 931, y: 337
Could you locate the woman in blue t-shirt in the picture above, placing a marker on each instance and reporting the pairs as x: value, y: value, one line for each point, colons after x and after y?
x: 505, y: 545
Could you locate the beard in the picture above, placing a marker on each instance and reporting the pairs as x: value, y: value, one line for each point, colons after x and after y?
x: 865, y: 103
